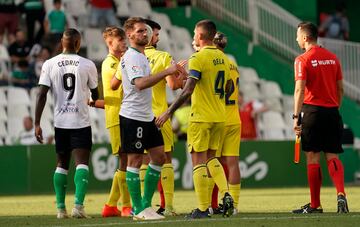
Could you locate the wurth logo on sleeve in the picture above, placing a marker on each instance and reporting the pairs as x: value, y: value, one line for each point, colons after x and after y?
x: 322, y: 62
x: 314, y: 63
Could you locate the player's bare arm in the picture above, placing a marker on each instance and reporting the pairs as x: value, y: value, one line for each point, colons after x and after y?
x: 298, y: 102
x: 184, y: 95
x: 40, y: 103
x: 149, y: 81
x: 94, y: 96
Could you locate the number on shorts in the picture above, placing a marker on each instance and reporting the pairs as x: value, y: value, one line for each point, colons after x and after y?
x: 69, y: 84
x: 139, y: 132
x: 219, y: 84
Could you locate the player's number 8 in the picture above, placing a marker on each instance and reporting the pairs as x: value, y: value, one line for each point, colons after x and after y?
x: 139, y: 132
x: 69, y: 84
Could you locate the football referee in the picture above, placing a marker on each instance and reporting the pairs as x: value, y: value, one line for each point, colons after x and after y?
x: 318, y: 94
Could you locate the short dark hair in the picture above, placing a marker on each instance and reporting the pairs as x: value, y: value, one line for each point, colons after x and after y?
x: 56, y: 1
x: 310, y: 29
x: 209, y: 27
x: 113, y: 31
x: 129, y: 23
x: 70, y: 37
x: 153, y: 24
x: 220, y: 40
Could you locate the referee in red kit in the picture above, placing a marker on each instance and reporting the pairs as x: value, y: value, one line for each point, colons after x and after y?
x: 318, y: 94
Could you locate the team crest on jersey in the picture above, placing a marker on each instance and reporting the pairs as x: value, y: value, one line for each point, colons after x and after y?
x: 138, y: 145
x: 112, y: 65
x: 136, y: 69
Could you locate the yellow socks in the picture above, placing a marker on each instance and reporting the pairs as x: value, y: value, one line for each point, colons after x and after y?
x: 142, y: 174
x: 218, y: 174
x: 200, y: 177
x: 114, y: 192
x: 124, y: 192
x: 234, y: 190
x: 211, y: 185
x: 167, y: 182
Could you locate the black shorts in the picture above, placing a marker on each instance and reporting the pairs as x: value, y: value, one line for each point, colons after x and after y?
x: 139, y: 135
x: 322, y: 129
x: 67, y: 140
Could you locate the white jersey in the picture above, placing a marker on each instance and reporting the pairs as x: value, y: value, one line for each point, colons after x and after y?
x: 70, y: 76
x: 136, y: 104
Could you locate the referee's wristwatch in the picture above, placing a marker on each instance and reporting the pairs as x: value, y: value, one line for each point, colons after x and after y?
x: 294, y: 116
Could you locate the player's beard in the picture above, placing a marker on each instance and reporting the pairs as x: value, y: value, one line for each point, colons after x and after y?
x: 142, y: 42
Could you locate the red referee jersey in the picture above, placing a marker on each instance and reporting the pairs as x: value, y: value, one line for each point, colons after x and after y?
x: 321, y: 70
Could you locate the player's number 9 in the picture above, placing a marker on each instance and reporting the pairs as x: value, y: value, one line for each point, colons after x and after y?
x: 69, y: 84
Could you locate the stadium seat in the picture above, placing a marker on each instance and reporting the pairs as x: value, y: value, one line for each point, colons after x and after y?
x: 17, y: 95
x: 288, y: 102
x: 47, y: 127
x: 15, y: 126
x: 141, y: 8
x: 248, y: 75
x: 273, y: 134
x: 274, y: 104
x: 3, y: 99
x: 163, y: 19
x: 165, y: 43
x: 76, y: 8
x: 180, y: 34
x: 3, y: 131
x: 18, y: 111
x: 270, y: 89
x: 96, y: 48
x: 4, y: 54
x: 123, y: 8
x: 250, y: 90
x: 273, y: 120
x: 3, y: 115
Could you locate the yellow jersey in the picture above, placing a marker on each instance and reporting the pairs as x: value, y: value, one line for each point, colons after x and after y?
x: 210, y: 67
x: 231, y: 97
x: 112, y: 98
x: 159, y: 61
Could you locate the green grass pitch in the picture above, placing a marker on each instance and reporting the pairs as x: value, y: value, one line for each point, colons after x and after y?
x: 258, y: 207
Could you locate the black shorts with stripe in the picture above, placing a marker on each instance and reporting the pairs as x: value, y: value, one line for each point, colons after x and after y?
x: 322, y: 129
x: 139, y: 135
x: 67, y: 140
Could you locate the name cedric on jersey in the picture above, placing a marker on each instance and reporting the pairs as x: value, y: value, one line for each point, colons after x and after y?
x: 68, y: 62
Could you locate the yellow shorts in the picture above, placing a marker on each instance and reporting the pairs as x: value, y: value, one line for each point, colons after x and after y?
x: 168, y: 137
x: 204, y: 136
x: 115, y: 139
x: 230, y: 141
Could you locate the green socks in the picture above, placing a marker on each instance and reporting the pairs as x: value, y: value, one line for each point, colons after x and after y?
x: 81, y: 180
x: 150, y: 184
x: 60, y: 184
x: 133, y: 183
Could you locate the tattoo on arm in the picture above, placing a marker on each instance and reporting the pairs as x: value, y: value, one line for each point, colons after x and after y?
x: 185, y: 94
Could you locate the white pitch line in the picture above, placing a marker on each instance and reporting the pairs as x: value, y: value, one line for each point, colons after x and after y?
x: 308, y: 216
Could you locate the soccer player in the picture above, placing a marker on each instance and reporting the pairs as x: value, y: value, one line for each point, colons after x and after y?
x: 115, y: 40
x: 209, y: 70
x: 137, y: 122
x: 229, y: 148
x: 318, y: 94
x: 70, y: 77
x: 159, y: 61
